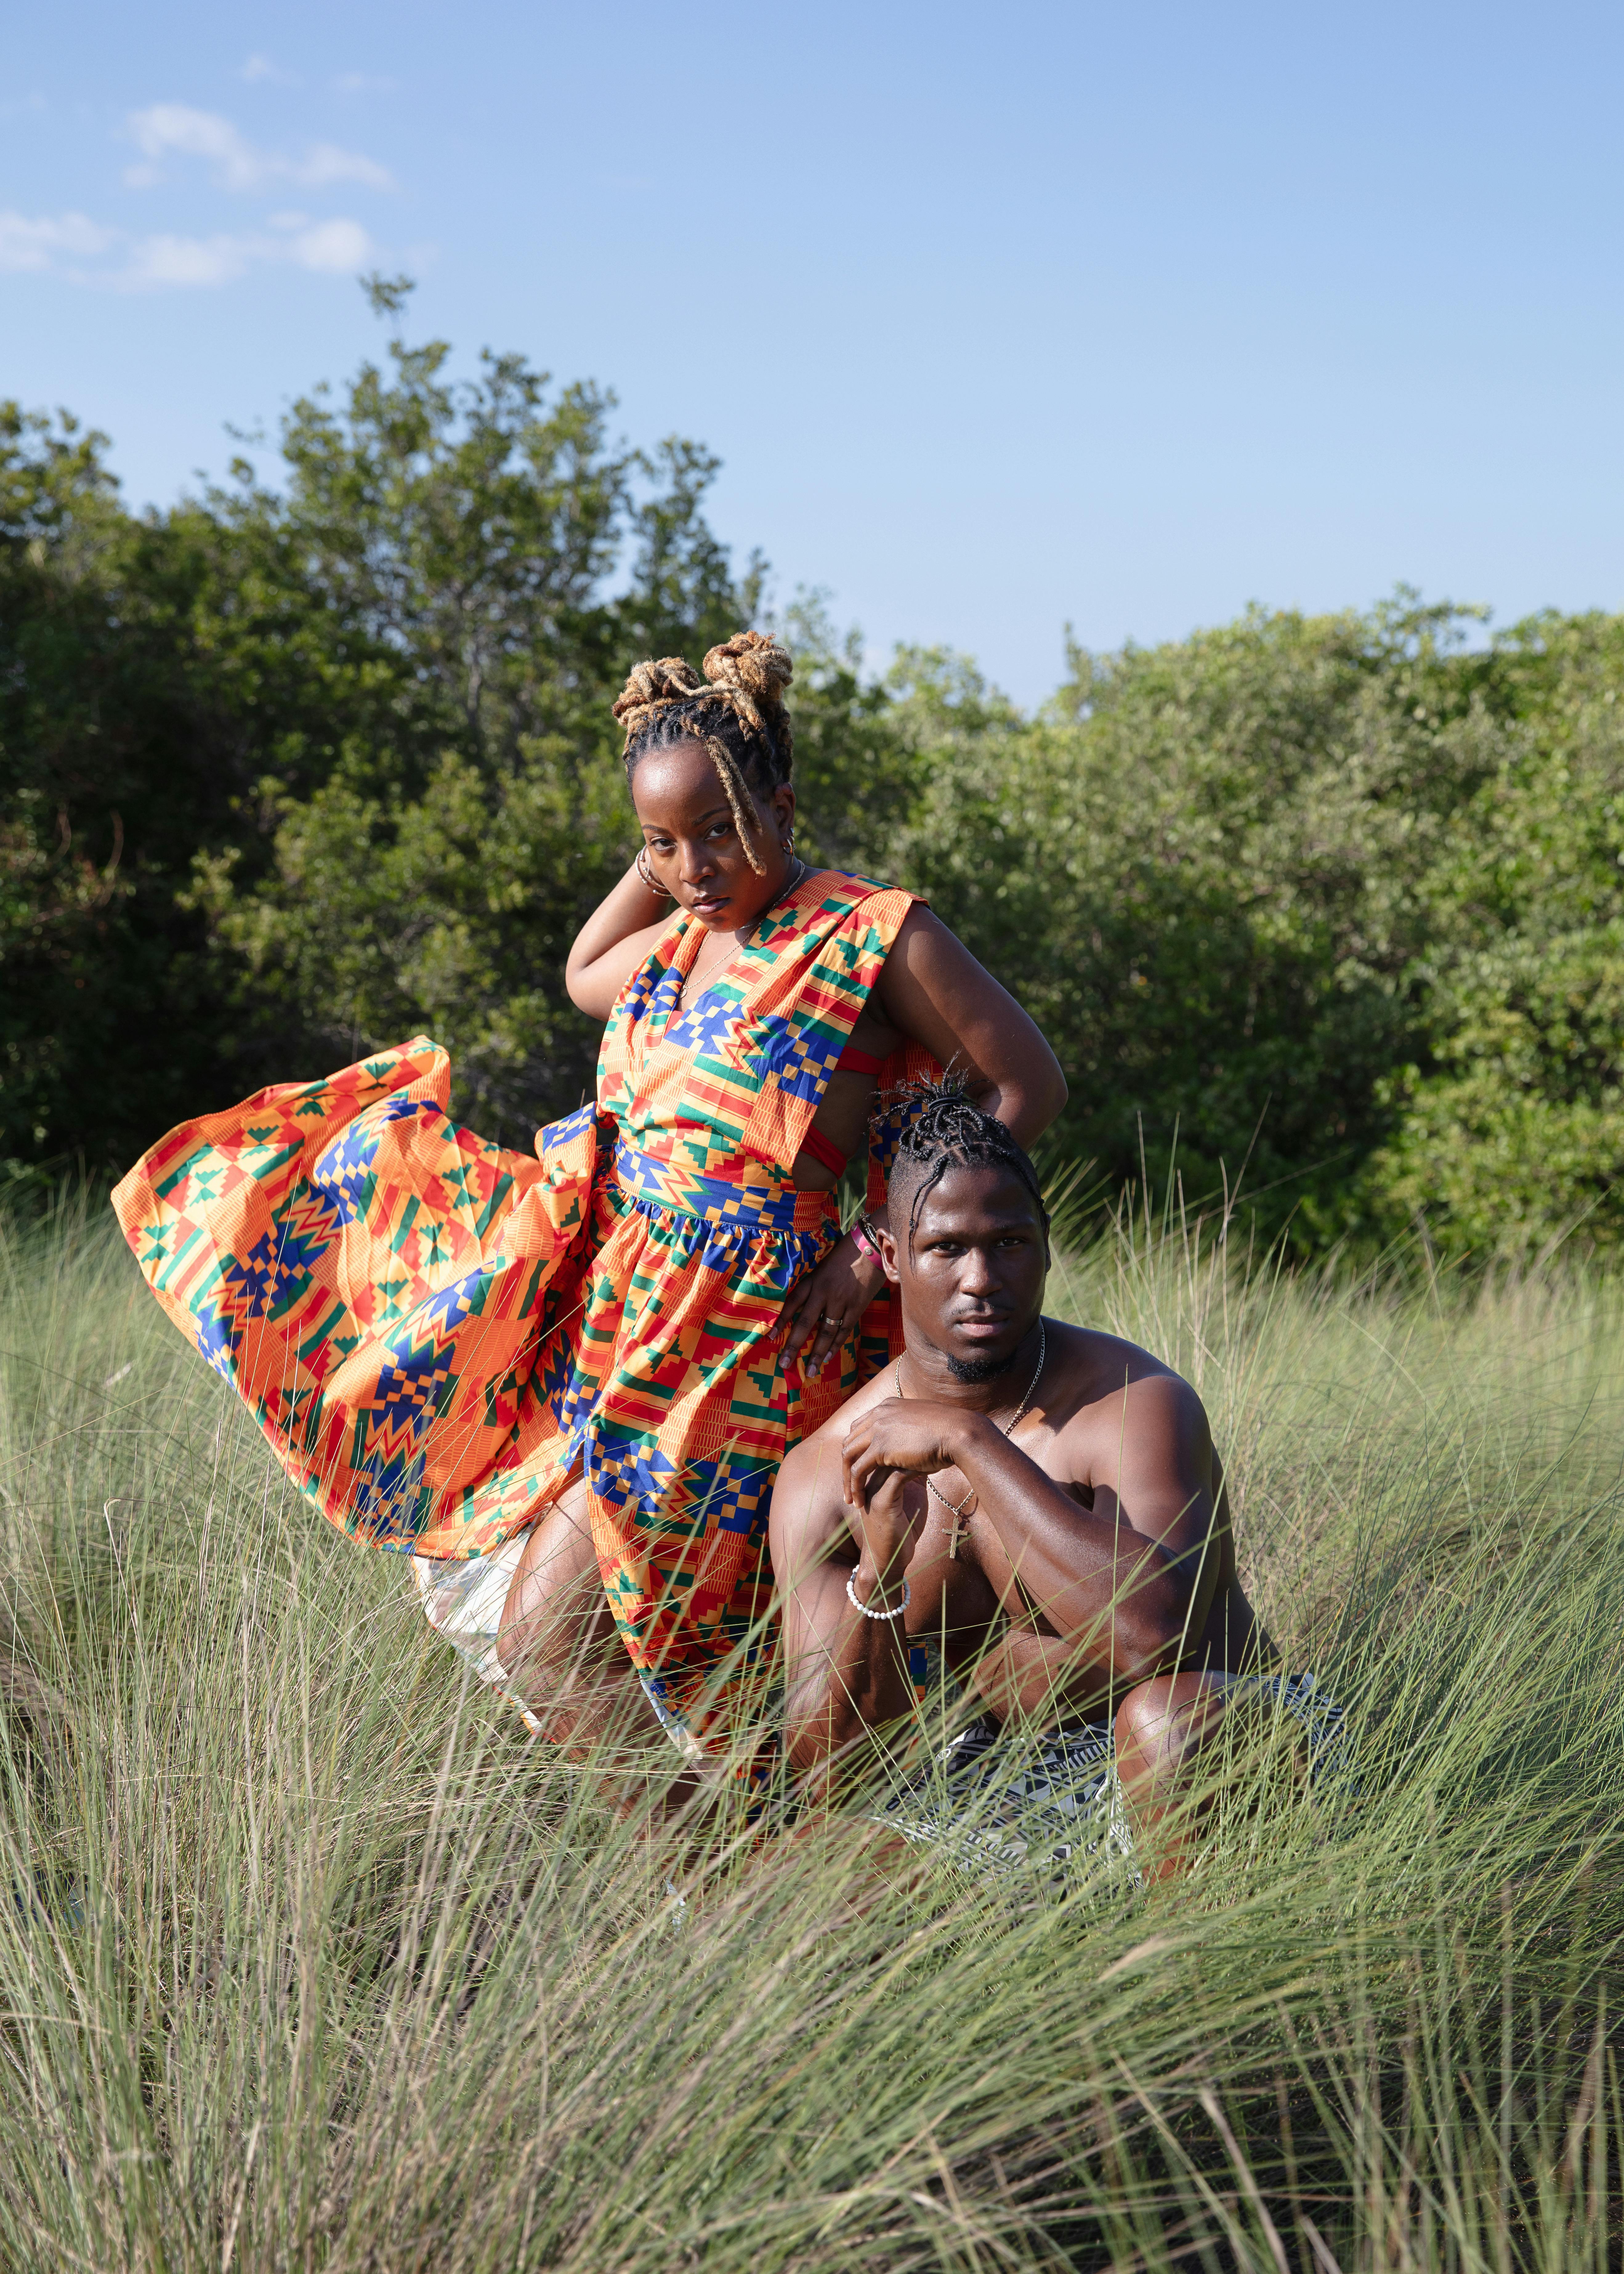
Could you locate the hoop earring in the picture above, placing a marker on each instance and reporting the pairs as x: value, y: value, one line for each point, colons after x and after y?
x: 788, y: 841
x: 645, y: 869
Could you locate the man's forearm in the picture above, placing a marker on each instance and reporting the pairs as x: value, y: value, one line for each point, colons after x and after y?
x: 1116, y: 1598
x: 853, y: 1677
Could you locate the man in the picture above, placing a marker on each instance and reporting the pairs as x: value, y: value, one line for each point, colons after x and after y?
x: 1045, y: 1500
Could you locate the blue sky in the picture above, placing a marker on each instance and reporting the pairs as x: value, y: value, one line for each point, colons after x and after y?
x: 999, y: 317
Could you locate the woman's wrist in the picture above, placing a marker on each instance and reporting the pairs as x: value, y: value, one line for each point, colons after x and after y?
x: 865, y: 1266
x: 860, y: 1234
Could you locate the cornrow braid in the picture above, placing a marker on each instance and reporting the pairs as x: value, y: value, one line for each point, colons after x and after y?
x: 949, y: 1131
x: 736, y: 711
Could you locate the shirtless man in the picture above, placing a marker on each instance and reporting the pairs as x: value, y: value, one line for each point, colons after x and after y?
x: 1043, y: 1497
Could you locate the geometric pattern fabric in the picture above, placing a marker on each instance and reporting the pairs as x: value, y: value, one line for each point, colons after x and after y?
x: 433, y: 1331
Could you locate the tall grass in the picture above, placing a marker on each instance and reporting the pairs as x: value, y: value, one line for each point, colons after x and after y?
x: 311, y: 1959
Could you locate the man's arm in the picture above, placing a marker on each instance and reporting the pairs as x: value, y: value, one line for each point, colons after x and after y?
x: 1121, y: 1585
x: 845, y: 1673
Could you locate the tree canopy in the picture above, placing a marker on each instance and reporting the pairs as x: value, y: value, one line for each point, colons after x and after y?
x: 1329, y: 910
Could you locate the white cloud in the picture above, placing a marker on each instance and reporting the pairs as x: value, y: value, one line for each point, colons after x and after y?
x: 334, y: 247
x: 364, y: 83
x: 175, y: 130
x: 262, y: 67
x: 324, y: 162
x: 158, y: 260
x: 173, y: 127
x: 39, y: 244
x: 331, y: 248
x: 63, y: 243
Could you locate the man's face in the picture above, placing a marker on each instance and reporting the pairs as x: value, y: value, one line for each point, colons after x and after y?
x: 971, y: 1277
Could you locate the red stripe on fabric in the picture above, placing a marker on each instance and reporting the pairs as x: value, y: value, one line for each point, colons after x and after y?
x: 829, y: 1156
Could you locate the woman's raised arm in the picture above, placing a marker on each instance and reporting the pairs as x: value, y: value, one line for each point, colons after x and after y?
x: 613, y: 942
x: 935, y: 991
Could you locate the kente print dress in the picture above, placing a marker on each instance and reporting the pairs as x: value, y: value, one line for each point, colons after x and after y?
x: 436, y: 1335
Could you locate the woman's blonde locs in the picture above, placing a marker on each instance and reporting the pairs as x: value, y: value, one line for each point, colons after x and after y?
x: 736, y: 711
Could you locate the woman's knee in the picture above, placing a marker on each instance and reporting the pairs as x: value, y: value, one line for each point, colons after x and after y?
x: 550, y: 1586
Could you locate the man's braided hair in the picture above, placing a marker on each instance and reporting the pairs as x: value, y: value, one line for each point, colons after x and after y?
x: 949, y: 1131
x: 736, y: 711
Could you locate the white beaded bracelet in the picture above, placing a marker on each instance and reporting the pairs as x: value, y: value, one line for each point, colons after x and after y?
x: 851, y: 1597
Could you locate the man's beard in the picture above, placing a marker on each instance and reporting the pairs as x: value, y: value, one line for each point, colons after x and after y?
x: 980, y: 1369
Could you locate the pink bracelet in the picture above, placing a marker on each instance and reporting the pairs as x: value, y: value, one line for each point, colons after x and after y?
x: 863, y: 1236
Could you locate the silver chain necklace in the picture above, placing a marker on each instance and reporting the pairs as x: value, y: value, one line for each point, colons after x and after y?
x: 1006, y: 1427
x: 802, y: 872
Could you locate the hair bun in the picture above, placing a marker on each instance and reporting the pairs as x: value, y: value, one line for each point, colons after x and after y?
x: 756, y: 670
x: 651, y: 684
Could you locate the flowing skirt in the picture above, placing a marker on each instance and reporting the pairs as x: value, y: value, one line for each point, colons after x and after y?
x: 436, y: 1334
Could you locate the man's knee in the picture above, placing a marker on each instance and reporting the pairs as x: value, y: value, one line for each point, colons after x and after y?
x: 1161, y: 1722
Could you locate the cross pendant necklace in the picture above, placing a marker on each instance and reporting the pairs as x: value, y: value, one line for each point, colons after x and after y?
x: 958, y: 1527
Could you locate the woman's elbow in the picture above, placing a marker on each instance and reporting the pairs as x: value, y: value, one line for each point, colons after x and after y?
x: 1037, y: 1096
x: 1055, y: 1091
x: 582, y: 992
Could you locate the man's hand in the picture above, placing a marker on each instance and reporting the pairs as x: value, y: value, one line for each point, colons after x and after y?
x: 905, y: 1436
x: 887, y: 1536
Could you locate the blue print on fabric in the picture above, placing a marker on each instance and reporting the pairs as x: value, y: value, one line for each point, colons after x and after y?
x: 408, y: 1392
x: 215, y: 1337
x: 343, y: 1171
x: 560, y: 1133
x: 800, y: 1064
x: 737, y: 1498
x: 276, y: 1269
x: 709, y: 1025
x: 391, y: 1496
x: 447, y: 1306
x: 624, y: 1472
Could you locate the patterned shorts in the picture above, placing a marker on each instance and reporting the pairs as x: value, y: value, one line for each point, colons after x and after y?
x: 997, y: 1799
x: 464, y: 1601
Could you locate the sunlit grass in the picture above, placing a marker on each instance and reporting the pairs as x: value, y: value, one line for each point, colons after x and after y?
x: 312, y: 1960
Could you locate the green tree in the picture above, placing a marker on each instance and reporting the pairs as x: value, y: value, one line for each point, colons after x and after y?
x: 1203, y: 869
x: 1331, y: 908
x: 1509, y: 1131
x: 297, y: 768
x: 435, y: 873
x: 111, y: 775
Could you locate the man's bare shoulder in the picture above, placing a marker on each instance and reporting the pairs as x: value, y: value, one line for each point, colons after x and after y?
x: 809, y: 1477
x: 837, y: 1426
x: 1103, y: 1383
x: 1090, y: 1365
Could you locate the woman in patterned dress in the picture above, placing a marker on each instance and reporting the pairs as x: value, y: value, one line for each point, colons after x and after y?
x: 524, y: 1373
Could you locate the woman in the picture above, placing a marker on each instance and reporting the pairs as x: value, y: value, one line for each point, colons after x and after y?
x: 514, y: 1370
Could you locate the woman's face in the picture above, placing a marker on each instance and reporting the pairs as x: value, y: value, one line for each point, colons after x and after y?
x: 692, y: 841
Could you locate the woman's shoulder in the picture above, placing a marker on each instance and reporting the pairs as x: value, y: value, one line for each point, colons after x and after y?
x: 842, y: 889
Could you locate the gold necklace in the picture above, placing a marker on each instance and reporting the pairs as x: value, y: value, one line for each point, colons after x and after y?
x: 956, y: 1511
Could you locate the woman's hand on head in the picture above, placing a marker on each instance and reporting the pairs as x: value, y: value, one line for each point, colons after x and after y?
x: 824, y: 1310
x: 615, y: 940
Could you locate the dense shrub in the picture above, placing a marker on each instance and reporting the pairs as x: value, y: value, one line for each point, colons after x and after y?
x: 1329, y: 910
